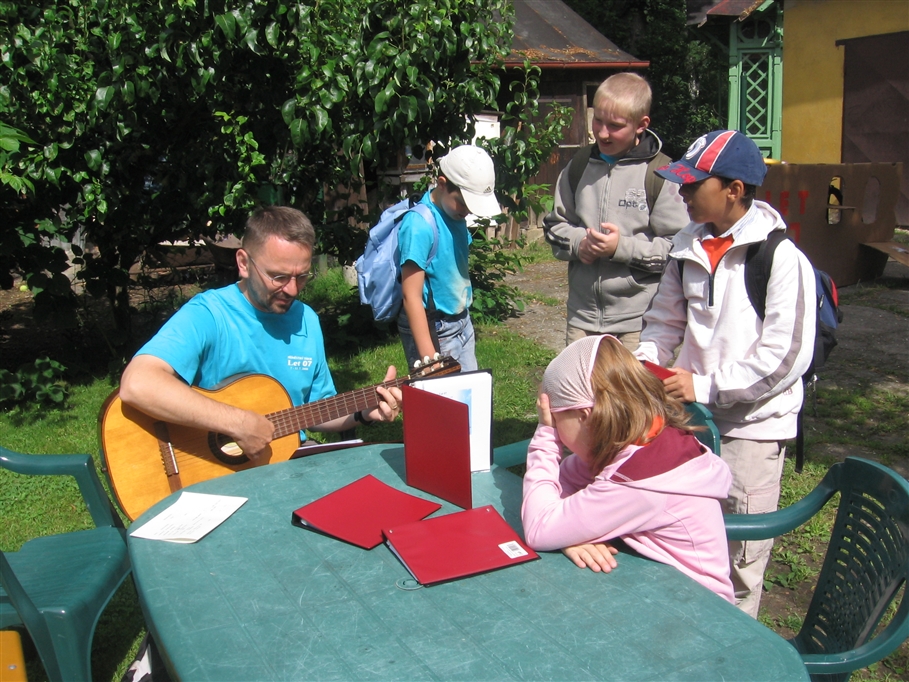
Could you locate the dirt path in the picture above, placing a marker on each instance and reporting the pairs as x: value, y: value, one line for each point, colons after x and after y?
x: 873, y: 339
x: 543, y: 319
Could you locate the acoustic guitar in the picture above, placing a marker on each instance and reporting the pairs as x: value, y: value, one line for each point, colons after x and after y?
x: 148, y: 459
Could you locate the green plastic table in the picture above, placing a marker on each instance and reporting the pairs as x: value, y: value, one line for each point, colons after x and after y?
x: 260, y: 599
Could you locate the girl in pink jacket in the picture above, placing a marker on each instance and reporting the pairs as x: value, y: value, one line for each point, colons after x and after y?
x: 637, y: 472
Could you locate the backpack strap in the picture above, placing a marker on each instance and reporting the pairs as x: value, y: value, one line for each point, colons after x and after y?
x: 577, y: 165
x: 653, y: 183
x: 426, y: 214
x: 758, y: 263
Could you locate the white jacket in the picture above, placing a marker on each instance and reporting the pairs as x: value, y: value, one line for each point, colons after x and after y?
x: 747, y: 371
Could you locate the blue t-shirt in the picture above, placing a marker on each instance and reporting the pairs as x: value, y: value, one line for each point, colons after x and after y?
x: 219, y: 335
x: 448, y: 273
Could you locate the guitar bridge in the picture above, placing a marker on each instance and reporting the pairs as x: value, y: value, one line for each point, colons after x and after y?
x: 168, y: 458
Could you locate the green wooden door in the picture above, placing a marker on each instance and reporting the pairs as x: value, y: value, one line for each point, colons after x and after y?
x: 756, y: 78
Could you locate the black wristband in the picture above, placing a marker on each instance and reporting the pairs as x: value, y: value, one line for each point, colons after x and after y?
x: 358, y: 417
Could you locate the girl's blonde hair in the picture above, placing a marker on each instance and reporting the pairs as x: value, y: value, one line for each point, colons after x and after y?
x: 628, y: 399
x: 628, y: 94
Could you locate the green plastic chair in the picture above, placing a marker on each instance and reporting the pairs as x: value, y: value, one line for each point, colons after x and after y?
x: 57, y: 586
x: 866, y: 564
x: 516, y: 453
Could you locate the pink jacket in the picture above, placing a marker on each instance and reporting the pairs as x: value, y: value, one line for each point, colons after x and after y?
x: 663, y: 500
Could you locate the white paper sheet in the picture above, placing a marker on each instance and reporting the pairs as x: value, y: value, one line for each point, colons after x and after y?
x: 474, y: 389
x: 190, y: 518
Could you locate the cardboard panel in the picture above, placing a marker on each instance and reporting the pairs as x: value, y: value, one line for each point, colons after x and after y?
x: 832, y: 237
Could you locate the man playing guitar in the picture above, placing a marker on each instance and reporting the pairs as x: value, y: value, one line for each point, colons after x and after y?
x: 231, y: 380
x: 255, y: 326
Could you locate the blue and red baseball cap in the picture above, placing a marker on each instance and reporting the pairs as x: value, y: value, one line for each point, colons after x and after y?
x: 726, y: 153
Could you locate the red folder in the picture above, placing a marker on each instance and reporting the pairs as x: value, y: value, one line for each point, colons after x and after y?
x: 457, y: 545
x: 660, y: 372
x: 437, y: 446
x: 359, y: 511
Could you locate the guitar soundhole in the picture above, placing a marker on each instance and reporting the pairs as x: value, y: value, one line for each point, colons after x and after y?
x: 226, y: 450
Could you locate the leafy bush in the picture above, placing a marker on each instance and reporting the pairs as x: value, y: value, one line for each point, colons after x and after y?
x: 40, y: 382
x: 346, y: 324
x: 490, y: 261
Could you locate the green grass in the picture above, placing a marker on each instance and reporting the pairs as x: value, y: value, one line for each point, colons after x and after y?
x: 540, y: 298
x: 537, y: 252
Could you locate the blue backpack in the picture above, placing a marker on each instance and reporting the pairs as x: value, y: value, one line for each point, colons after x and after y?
x: 379, y: 268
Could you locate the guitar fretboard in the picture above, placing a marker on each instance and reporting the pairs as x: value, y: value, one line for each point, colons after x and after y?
x: 312, y: 414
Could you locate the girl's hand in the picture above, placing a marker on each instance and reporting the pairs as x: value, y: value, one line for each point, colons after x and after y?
x: 544, y: 416
x: 597, y: 557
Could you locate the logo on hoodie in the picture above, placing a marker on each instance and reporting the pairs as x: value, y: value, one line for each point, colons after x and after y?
x: 635, y: 200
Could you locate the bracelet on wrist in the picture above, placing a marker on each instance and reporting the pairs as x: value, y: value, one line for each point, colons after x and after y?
x: 358, y: 417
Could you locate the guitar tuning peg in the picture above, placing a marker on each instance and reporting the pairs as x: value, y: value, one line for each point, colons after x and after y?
x: 437, y: 357
x: 426, y: 360
x: 417, y: 364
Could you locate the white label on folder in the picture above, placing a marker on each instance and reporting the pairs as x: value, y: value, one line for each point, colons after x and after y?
x: 512, y: 549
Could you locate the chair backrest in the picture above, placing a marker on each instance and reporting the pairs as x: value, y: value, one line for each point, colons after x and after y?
x: 867, y: 561
x: 26, y: 611
x: 710, y: 434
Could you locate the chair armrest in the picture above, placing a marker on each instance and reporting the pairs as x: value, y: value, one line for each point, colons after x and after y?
x: 774, y: 524
x: 889, y: 639
x: 511, y: 454
x: 80, y: 467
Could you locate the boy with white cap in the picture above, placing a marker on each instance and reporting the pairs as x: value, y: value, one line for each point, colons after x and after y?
x: 437, y: 291
x: 744, y: 367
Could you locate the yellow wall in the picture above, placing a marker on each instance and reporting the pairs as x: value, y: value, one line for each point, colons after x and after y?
x: 813, y: 68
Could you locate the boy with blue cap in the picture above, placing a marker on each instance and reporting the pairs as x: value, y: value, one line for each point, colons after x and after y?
x: 746, y: 369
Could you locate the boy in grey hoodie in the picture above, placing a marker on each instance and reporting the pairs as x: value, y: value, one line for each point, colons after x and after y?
x: 615, y: 244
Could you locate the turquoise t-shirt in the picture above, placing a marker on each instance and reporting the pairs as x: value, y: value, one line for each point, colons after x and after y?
x: 448, y: 273
x: 219, y: 335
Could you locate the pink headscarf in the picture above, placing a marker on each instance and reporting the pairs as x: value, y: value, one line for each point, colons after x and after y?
x: 567, y: 378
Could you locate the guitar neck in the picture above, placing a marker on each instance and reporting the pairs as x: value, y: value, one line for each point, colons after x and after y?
x: 312, y: 414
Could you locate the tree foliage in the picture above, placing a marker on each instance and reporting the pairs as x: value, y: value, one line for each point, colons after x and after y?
x: 688, y: 71
x: 131, y: 123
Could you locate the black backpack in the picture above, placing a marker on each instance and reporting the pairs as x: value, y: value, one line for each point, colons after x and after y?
x: 758, y: 262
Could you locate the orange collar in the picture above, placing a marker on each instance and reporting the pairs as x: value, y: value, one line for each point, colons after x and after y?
x: 655, y: 428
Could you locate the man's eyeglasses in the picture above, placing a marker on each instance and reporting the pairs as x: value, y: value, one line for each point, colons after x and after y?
x: 281, y: 281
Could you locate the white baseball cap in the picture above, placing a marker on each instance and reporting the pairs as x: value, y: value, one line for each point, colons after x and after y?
x: 471, y: 170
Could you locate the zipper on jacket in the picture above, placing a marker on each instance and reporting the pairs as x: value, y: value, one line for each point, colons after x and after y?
x: 710, y: 277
